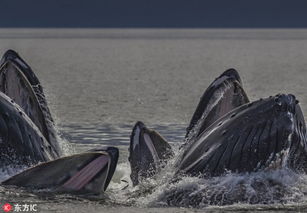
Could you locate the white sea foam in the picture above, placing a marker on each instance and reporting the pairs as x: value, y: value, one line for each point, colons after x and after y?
x: 277, y: 186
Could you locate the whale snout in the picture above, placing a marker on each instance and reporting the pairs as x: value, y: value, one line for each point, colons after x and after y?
x: 286, y: 103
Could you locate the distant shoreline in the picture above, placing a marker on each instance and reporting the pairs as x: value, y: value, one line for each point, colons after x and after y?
x: 153, y: 33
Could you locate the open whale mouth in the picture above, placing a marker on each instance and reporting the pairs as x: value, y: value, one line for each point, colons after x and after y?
x: 17, y: 81
x: 224, y: 94
x: 82, y: 178
x: 20, y: 84
x: 86, y: 173
x: 148, y: 151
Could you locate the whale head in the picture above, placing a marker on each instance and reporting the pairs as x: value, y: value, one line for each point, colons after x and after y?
x: 268, y: 133
x: 85, y: 173
x: 147, y: 151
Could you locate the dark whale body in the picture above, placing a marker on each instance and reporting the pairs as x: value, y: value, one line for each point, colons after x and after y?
x: 229, y: 134
x: 266, y: 133
x: 28, y: 137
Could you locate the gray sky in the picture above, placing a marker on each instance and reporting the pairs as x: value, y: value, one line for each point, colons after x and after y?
x: 154, y: 13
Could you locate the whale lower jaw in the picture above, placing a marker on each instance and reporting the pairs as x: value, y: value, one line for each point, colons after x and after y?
x: 85, y: 173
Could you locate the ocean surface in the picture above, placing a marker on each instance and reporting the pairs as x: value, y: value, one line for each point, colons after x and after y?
x: 99, y: 82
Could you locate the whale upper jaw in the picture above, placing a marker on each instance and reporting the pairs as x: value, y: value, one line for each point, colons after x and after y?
x: 250, y: 138
x: 224, y: 94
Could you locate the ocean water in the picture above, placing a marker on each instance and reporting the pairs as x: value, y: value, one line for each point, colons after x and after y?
x: 99, y: 82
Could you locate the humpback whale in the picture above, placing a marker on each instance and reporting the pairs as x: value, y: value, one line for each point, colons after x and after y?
x: 84, y: 173
x: 250, y: 138
x: 27, y: 128
x: 228, y: 133
x: 28, y: 137
x: 18, y: 81
x: 148, y: 151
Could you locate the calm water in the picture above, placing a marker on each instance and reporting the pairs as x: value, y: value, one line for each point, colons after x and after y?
x: 100, y: 82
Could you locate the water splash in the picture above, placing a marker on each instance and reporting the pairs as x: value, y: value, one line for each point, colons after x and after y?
x: 281, y: 186
x: 276, y: 186
x: 66, y: 147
